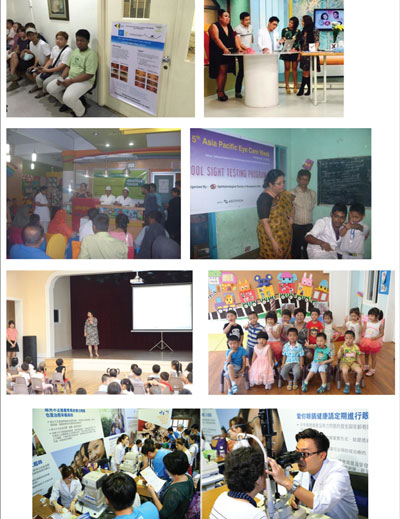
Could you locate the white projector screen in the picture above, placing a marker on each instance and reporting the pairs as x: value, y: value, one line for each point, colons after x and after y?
x: 162, y: 308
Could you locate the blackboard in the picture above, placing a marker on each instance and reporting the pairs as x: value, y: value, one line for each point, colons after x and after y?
x: 345, y: 180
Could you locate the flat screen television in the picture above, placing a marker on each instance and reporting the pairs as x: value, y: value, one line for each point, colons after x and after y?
x: 323, y: 18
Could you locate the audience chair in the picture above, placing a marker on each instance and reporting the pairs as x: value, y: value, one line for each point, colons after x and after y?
x: 76, y: 249
x: 56, y: 246
x: 176, y: 383
x: 244, y: 375
x: 57, y: 379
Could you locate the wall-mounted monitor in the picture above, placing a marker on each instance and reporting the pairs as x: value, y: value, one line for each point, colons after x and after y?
x: 323, y: 18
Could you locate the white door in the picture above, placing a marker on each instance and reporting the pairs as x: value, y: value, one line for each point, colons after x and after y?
x: 176, y: 92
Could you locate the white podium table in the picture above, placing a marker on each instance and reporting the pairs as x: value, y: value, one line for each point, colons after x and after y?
x: 261, y: 78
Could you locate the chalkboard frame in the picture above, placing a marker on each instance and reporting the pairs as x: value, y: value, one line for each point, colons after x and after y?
x: 324, y: 197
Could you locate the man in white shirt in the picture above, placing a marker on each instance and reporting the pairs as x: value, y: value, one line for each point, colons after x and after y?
x: 108, y: 198
x: 303, y: 203
x: 324, y: 238
x: 124, y: 199
x: 266, y: 39
x: 244, y: 38
x: 41, y: 50
x: 323, y: 485
x: 86, y: 227
x: 42, y: 208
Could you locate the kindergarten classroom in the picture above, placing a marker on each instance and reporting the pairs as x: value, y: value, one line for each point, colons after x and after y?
x: 87, y: 440
x: 49, y: 309
x: 337, y: 291
x: 263, y: 93
x: 145, y: 52
x: 228, y: 167
x: 274, y: 432
x: 77, y: 165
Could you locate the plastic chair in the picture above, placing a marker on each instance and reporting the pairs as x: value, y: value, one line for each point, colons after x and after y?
x: 165, y: 390
x: 36, y: 385
x: 329, y: 375
x: 138, y: 386
x: 338, y: 379
x: 20, y: 389
x: 100, y: 393
x: 244, y: 375
x: 56, y: 246
x: 155, y: 390
x: 57, y: 379
x: 76, y: 249
x: 176, y: 383
x: 300, y: 382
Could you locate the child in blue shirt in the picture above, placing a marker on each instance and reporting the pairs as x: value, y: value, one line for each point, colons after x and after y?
x: 253, y: 327
x: 119, y: 490
x: 322, y: 358
x: 236, y: 361
x: 292, y: 359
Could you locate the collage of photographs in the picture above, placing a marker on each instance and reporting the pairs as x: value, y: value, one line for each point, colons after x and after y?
x: 263, y: 376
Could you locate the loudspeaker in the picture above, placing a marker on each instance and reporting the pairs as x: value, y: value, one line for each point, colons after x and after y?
x: 30, y: 348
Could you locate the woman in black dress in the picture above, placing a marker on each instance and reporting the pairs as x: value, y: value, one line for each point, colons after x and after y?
x: 308, y: 35
x: 222, y: 41
x: 291, y: 32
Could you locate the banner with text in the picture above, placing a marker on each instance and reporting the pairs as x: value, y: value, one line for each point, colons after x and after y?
x: 136, y: 55
x: 226, y: 173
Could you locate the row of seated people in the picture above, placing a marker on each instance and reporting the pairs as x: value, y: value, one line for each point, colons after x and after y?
x: 293, y: 365
x: 26, y: 379
x: 159, y: 382
x: 28, y: 240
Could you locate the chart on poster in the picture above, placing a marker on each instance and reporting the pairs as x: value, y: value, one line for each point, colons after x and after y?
x: 136, y: 55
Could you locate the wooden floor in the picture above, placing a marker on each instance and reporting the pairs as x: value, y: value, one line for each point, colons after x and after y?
x: 134, y: 355
x: 382, y: 383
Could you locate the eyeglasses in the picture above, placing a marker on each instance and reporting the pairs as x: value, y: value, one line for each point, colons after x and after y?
x: 306, y: 455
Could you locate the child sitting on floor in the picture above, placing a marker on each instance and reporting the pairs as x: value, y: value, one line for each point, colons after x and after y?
x: 322, y: 358
x: 252, y: 327
x: 349, y: 355
x: 261, y: 371
x: 292, y: 359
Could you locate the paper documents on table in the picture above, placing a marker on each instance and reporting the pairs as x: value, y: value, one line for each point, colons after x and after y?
x: 65, y: 514
x: 152, y: 479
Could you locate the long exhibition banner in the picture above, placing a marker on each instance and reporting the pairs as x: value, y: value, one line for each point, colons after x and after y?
x: 226, y: 172
x: 136, y: 55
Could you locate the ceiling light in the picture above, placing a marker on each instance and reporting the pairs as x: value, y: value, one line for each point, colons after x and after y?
x: 131, y: 143
x: 32, y: 165
x: 95, y: 134
x: 34, y: 157
x: 107, y: 144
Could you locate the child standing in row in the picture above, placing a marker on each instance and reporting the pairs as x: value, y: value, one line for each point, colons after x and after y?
x: 253, y: 327
x: 371, y: 343
x: 314, y: 327
x: 330, y: 330
x: 232, y: 328
x: 292, y: 359
x: 322, y: 358
x: 285, y: 324
x: 352, y: 322
x: 349, y: 355
x: 261, y: 371
x: 273, y: 329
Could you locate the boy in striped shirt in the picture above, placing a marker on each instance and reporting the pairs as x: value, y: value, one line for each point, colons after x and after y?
x: 253, y: 327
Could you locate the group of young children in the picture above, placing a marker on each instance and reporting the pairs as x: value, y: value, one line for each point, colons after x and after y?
x: 156, y: 383
x: 285, y: 348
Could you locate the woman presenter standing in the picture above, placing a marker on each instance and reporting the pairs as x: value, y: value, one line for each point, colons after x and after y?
x: 92, y: 334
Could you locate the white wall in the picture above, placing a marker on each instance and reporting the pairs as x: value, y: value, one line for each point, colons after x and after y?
x: 62, y: 302
x: 82, y: 15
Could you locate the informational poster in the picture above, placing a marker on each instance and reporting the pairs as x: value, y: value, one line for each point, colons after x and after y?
x: 118, y: 180
x: 136, y: 57
x: 210, y: 425
x: 226, y: 173
x: 347, y: 431
x: 163, y: 186
x: 161, y: 417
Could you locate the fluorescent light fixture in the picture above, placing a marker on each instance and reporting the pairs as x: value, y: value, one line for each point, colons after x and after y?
x: 34, y: 157
x: 131, y: 143
x: 107, y: 144
x: 32, y: 165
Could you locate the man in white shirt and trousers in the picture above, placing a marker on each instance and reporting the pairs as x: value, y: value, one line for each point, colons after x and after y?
x: 42, y: 208
x: 266, y: 39
x: 323, y: 484
x: 244, y: 39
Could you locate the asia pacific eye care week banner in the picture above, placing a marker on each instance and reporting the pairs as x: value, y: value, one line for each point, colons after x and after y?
x: 227, y: 172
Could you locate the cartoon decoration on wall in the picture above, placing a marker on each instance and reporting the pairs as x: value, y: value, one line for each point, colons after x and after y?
x: 269, y: 292
x: 286, y: 282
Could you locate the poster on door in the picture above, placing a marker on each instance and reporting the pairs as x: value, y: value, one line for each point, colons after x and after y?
x: 226, y: 173
x: 136, y: 56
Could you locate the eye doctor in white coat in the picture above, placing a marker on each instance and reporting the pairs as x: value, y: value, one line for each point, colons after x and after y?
x: 323, y: 485
x: 267, y: 41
